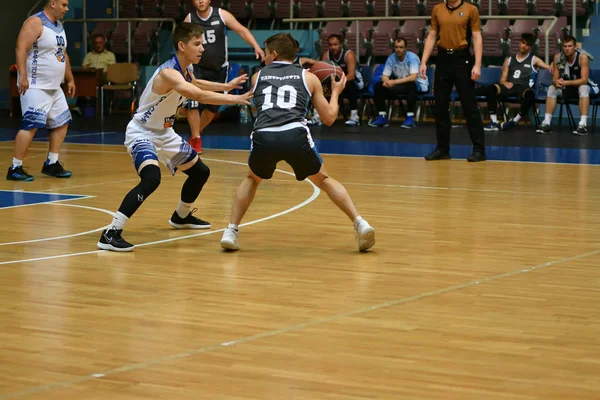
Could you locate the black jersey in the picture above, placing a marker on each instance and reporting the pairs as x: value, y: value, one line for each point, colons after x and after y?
x: 214, y: 39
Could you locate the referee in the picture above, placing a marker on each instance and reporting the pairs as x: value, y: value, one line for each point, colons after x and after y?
x: 455, y: 21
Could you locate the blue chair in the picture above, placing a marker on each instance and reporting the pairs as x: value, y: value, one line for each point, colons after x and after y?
x: 233, y: 72
x: 595, y: 100
x: 369, y: 90
x: 427, y: 98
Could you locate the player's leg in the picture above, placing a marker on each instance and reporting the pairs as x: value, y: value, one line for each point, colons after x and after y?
x: 380, y: 94
x: 584, y: 106
x: 350, y: 92
x: 193, y: 117
x: 526, y: 97
x: 546, y: 125
x: 198, y: 173
x: 59, y: 118
x: 146, y: 164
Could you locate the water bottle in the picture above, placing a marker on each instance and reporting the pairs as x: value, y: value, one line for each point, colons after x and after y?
x: 244, y: 114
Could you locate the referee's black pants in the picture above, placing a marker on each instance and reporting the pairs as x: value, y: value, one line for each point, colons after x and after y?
x: 455, y: 69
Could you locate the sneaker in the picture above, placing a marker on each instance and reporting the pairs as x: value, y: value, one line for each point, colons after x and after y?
x: 381, y: 120
x: 353, y: 122
x: 314, y: 121
x: 544, y: 128
x: 18, y: 174
x: 492, y: 126
x: 111, y: 240
x: 365, y: 235
x: 196, y: 143
x: 189, y: 222
x: 56, y: 170
x: 409, y: 123
x: 229, y: 239
x: 508, y: 125
x: 581, y: 130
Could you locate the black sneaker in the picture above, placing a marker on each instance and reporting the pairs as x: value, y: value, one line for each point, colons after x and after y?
x: 544, y: 128
x: 111, y: 240
x: 18, y: 174
x: 189, y: 222
x: 56, y: 170
x: 581, y: 130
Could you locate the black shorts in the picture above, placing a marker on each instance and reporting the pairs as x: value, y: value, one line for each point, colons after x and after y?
x: 219, y: 76
x: 516, y: 90
x: 294, y: 146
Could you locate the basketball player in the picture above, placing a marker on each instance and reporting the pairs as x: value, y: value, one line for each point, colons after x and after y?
x: 150, y: 137
x: 42, y: 63
x: 282, y: 94
x: 213, y: 66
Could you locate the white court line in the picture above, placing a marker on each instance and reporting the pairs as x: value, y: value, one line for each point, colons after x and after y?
x: 315, y: 194
x: 95, y: 184
x: 46, y: 202
x: 65, y: 236
x: 291, y: 328
x: 43, y: 192
x: 79, y: 135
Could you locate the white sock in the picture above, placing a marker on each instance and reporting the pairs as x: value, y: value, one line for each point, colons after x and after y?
x: 357, y: 221
x: 52, y: 158
x: 353, y: 114
x: 547, y: 119
x: 383, y: 114
x: 183, y: 210
x: 410, y: 114
x: 17, y: 163
x: 583, y: 121
x: 233, y: 226
x: 517, y: 118
x: 119, y: 221
x: 494, y: 118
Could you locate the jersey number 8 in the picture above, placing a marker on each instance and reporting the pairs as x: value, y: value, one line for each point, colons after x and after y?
x: 283, y: 92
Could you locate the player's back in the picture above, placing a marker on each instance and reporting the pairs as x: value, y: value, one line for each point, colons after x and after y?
x: 157, y: 111
x: 281, y: 95
x: 46, y: 60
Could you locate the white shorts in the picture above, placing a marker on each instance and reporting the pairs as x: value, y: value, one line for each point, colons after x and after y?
x: 164, y: 146
x: 43, y: 108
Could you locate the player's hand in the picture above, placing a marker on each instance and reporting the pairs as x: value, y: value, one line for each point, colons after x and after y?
x: 388, y: 84
x: 560, y: 83
x: 71, y: 89
x: 338, y: 86
x: 237, y: 82
x: 475, y: 72
x: 244, y: 98
x: 508, y: 85
x: 423, y: 72
x: 259, y: 53
x: 23, y: 84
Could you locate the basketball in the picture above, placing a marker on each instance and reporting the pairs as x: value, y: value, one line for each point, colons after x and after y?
x: 323, y: 70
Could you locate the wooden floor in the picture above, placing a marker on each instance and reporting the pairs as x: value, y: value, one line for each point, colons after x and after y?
x: 484, y: 284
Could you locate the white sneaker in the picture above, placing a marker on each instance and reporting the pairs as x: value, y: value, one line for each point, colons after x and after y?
x: 365, y: 235
x: 314, y: 121
x: 229, y: 239
x: 353, y: 122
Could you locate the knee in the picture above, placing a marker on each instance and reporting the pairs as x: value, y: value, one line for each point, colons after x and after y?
x: 584, y: 91
x: 150, y: 176
x: 199, y: 172
x: 528, y: 95
x: 552, y: 92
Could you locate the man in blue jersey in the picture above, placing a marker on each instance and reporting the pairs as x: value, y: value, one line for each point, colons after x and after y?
x: 150, y: 137
x: 400, y: 76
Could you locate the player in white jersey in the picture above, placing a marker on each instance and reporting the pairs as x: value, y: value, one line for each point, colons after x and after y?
x: 150, y: 137
x: 42, y: 63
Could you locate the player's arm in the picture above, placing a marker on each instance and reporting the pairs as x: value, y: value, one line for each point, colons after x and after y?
x: 30, y: 32
x: 307, y: 61
x: 171, y: 79
x: 328, y: 111
x: 221, y: 87
x: 244, y: 33
x: 188, y: 18
x: 555, y: 71
x: 351, y: 63
x: 538, y: 63
x: 504, y: 75
x: 324, y: 55
x: 584, y: 62
x: 69, y: 78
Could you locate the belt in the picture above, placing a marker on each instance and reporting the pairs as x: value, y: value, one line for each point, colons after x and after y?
x: 442, y: 50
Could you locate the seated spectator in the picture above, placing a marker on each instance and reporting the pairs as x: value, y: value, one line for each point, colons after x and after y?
x: 100, y: 58
x: 400, y: 76
x: 570, y: 80
x: 518, y: 79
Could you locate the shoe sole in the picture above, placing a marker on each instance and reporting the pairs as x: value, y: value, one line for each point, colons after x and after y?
x: 188, y: 226
x: 367, y: 238
x: 490, y: 129
x: 57, y: 176
x: 406, y: 127
x: 379, y: 126
x: 110, y: 247
x: 229, y: 245
x: 20, y: 180
x: 440, y: 158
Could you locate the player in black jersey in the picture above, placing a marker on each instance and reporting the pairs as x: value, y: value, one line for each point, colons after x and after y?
x: 214, y: 64
x: 282, y: 92
x: 518, y: 78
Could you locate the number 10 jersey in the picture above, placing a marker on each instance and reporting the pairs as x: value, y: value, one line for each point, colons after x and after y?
x: 281, y: 95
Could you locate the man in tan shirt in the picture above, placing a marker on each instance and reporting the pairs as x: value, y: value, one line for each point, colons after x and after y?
x: 100, y: 58
x: 455, y: 22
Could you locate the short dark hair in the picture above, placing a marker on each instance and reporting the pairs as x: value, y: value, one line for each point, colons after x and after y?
x: 400, y: 39
x: 336, y: 36
x: 284, y: 44
x: 528, y: 38
x: 98, y: 35
x: 186, y: 31
x: 570, y: 38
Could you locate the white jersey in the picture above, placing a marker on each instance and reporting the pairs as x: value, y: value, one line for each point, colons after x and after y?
x: 46, y: 60
x: 157, y: 111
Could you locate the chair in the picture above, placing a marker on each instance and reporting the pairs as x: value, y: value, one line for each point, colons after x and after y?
x: 595, y: 100
x: 427, y: 99
x: 369, y: 91
x: 120, y: 77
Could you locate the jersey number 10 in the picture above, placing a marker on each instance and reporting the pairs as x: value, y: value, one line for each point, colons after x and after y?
x: 283, y: 92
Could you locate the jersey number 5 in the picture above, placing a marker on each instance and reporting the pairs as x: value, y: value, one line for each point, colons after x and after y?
x: 283, y: 92
x: 209, y: 36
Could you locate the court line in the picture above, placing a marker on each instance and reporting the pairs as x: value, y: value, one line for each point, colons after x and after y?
x: 42, y: 139
x: 65, y: 236
x: 94, y: 184
x: 315, y: 194
x: 288, y: 329
x: 46, y: 202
